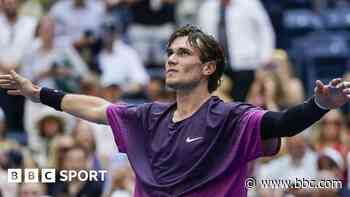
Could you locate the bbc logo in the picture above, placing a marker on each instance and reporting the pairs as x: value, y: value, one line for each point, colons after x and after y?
x: 31, y: 175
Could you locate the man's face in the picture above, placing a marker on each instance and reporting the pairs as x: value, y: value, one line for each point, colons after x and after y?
x: 9, y: 7
x: 31, y: 190
x: 75, y: 160
x: 184, y: 68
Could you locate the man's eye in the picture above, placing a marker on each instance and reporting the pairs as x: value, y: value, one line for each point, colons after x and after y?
x: 184, y: 53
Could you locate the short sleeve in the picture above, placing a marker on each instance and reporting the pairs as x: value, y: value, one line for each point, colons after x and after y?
x: 114, y: 117
x: 253, y: 145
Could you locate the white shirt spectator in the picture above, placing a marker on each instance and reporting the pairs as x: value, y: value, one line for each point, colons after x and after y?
x: 122, y: 67
x: 15, y: 39
x: 37, y: 61
x: 284, y: 169
x: 72, y: 22
x: 250, y: 36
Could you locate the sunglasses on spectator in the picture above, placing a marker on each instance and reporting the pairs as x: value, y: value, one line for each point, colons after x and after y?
x: 333, y: 122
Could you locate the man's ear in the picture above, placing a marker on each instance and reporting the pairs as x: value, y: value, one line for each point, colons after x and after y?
x: 209, y: 68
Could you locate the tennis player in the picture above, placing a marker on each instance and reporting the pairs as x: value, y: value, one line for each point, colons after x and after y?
x: 198, y: 146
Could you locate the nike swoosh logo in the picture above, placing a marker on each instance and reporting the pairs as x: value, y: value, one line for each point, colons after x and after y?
x: 189, y: 140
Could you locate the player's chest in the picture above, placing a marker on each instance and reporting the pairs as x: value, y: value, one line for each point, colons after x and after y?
x: 185, y: 142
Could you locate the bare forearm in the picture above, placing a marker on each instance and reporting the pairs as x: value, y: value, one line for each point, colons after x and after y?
x: 86, y: 107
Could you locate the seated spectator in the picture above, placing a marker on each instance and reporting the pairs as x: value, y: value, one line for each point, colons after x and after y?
x: 31, y: 190
x: 49, y: 127
x: 84, y: 136
x: 266, y: 91
x: 82, y: 34
x: 57, y: 150
x: 9, y: 159
x: 50, y: 65
x: 330, y: 167
x: 76, y: 158
x: 330, y: 131
x: 299, y: 162
x: 292, y: 87
x: 117, y: 57
x: 64, y: 13
x: 122, y: 181
x: 153, y: 22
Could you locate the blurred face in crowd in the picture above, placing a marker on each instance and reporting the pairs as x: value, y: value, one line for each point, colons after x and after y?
x: 31, y: 190
x: 9, y: 7
x: 47, y: 29
x: 184, y: 69
x: 50, y: 127
x: 84, y: 135
x: 296, y: 147
x: 75, y: 159
x: 331, y: 126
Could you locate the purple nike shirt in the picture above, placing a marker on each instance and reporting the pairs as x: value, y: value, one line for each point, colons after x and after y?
x: 204, y: 155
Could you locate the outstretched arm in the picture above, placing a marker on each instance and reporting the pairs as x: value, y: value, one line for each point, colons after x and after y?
x: 85, y: 107
x: 296, y: 119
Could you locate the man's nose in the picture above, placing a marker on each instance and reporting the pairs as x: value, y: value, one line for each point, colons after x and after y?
x: 172, y: 59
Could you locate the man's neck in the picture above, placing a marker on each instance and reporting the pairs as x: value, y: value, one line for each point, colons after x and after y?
x: 190, y: 101
x: 12, y: 19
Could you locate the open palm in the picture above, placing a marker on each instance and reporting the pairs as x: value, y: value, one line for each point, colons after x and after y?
x: 333, y: 95
x: 18, y: 85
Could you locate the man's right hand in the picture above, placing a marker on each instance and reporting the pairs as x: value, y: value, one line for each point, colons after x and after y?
x: 18, y: 85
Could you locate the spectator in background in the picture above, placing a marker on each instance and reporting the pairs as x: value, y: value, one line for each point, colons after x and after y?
x: 330, y: 167
x: 120, y: 64
x: 47, y: 63
x: 266, y: 91
x: 78, y: 23
x: 51, y: 65
x: 84, y: 136
x: 292, y: 87
x: 32, y: 190
x: 245, y: 32
x: 49, y: 127
x: 57, y: 149
x: 76, y: 158
x: 121, y: 12
x: 300, y: 162
x: 16, y: 33
x: 153, y: 23
x: 186, y: 11
x: 66, y: 13
x: 5, y: 143
x: 330, y: 131
x: 9, y: 159
x: 122, y: 181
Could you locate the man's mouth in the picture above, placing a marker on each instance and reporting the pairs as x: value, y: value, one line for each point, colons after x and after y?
x: 171, y: 71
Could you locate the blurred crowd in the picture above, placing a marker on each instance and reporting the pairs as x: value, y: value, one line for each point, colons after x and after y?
x: 116, y: 49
